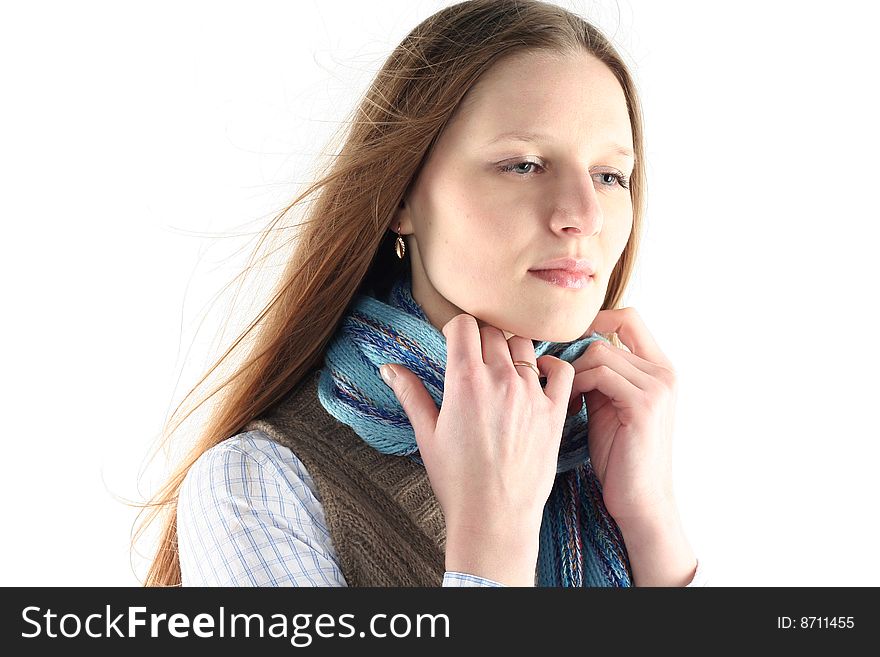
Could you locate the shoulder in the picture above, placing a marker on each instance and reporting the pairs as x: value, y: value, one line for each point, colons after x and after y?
x: 247, y: 514
x: 245, y: 465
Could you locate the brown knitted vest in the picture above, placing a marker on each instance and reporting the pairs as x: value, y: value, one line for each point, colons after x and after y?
x: 384, y: 521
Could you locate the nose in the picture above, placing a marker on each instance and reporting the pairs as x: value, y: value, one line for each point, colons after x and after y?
x: 578, y: 207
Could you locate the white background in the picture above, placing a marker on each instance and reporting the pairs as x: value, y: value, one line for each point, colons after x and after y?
x: 142, y: 145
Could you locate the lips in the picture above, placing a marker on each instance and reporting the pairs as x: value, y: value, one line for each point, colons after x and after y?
x: 568, y: 264
x: 564, y: 278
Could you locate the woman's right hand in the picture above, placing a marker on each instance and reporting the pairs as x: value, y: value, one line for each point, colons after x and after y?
x: 491, y: 452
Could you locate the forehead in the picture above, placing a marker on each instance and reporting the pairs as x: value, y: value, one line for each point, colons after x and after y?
x: 573, y: 96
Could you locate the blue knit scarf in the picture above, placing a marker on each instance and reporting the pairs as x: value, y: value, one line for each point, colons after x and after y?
x: 579, y: 542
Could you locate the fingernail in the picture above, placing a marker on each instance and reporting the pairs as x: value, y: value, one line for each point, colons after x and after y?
x: 387, y: 373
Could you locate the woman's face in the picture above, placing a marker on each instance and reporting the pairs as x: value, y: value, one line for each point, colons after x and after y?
x: 485, y: 210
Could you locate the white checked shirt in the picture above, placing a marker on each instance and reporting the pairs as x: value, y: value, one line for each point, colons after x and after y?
x: 248, y: 514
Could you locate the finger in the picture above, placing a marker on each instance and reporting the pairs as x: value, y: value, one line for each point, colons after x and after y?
x: 495, y: 352
x: 416, y: 401
x: 635, y: 369
x: 622, y: 393
x: 632, y: 331
x: 462, y: 341
x: 523, y: 349
x: 560, y: 375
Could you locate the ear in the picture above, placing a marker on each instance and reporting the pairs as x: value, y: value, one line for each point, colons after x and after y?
x: 401, y: 219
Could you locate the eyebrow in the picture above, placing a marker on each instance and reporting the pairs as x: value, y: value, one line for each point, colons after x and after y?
x: 519, y: 135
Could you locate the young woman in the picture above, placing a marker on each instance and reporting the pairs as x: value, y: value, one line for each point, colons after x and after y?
x: 428, y: 398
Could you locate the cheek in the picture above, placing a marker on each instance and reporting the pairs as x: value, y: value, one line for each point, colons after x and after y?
x: 619, y: 226
x: 472, y: 223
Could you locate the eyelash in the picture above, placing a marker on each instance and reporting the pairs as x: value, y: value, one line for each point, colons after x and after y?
x: 622, y: 180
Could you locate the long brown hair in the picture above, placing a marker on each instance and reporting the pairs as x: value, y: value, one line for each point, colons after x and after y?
x: 345, y: 243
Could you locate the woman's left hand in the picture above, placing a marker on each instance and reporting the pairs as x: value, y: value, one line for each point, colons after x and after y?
x: 630, y: 401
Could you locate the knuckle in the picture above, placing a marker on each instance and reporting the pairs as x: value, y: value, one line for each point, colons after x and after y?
x: 511, y: 391
x: 470, y: 373
x: 405, y: 396
x: 649, y: 401
x: 657, y: 396
x: 506, y: 389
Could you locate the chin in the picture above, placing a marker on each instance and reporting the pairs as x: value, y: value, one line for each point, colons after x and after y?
x: 542, y: 332
x: 561, y: 334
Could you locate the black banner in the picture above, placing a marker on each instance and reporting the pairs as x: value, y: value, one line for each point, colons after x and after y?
x: 327, y: 620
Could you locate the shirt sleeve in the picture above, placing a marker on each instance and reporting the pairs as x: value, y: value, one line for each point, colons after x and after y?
x: 249, y: 514
x: 453, y: 578
x: 700, y: 578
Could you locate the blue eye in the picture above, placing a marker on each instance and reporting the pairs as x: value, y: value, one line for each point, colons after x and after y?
x: 509, y: 168
x: 622, y: 180
x: 618, y: 178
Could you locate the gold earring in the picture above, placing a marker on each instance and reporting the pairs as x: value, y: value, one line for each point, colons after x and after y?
x: 399, y: 245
